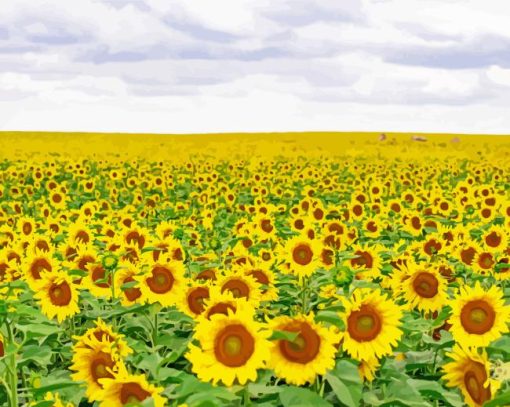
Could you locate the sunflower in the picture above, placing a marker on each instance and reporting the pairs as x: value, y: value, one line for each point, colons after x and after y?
x: 424, y: 288
x: 266, y: 279
x: 36, y: 264
x: 126, y: 286
x: 501, y: 270
x: 104, y: 333
x: 368, y: 368
x: 469, y: 371
x: 484, y: 262
x: 162, y: 282
x: 231, y: 348
x: 127, y: 389
x: 479, y: 316
x: 311, y: 353
x: 495, y: 239
x: 98, y: 281
x: 55, y: 398
x: 93, y: 360
x: 241, y: 286
x: 372, y: 324
x: 366, y: 261
x: 57, y: 295
x: 193, y: 299
x: 302, y: 255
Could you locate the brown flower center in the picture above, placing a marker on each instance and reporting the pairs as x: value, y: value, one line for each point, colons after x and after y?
x: 196, y: 299
x: 99, y: 273
x: 364, y: 259
x: 234, y: 345
x: 220, y: 308
x: 302, y: 254
x: 305, y: 347
x: 237, y: 287
x: 365, y: 324
x: 493, y: 239
x: 38, y: 266
x: 426, y: 285
x: 131, y: 293
x: 133, y: 393
x: 60, y: 294
x: 474, y: 379
x: 99, y: 366
x: 162, y: 280
x: 477, y: 317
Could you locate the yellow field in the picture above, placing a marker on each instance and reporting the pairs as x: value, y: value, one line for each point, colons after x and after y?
x: 175, y: 147
x: 222, y: 270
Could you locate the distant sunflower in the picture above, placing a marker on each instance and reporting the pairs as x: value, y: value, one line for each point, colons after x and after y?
x: 57, y: 295
x: 372, y: 324
x: 469, y: 371
x: 495, y: 239
x: 127, y: 389
x: 231, y: 348
x: 126, y: 286
x: 302, y: 255
x: 479, y: 316
x: 312, y: 353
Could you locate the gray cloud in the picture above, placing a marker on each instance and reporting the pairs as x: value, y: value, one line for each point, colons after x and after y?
x: 292, y: 49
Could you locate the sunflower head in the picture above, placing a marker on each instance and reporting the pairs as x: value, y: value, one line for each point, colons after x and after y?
x: 231, y: 347
x: 469, y: 370
x: 372, y: 324
x: 311, y: 352
x: 479, y: 316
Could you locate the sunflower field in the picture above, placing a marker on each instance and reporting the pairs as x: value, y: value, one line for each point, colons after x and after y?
x: 263, y: 270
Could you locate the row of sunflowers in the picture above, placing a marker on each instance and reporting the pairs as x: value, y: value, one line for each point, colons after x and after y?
x: 294, y: 280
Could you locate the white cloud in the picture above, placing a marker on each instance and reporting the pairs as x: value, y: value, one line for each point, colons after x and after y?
x: 247, y: 65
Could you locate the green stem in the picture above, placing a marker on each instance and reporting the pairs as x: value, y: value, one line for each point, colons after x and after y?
x: 12, y: 368
x: 155, y: 330
x: 246, y: 396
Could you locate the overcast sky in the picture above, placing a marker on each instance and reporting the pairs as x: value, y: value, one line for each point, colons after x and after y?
x: 263, y: 65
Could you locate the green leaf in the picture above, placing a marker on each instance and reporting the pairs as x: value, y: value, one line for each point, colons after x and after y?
x: 499, y: 401
x: 330, y: 317
x: 299, y: 397
x: 40, y: 391
x: 283, y: 335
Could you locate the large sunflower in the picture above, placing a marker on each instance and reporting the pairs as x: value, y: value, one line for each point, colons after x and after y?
x: 470, y: 372
x: 230, y: 348
x: 127, y: 389
x: 57, y: 295
x: 479, y: 316
x: 311, y: 353
x: 372, y: 324
x: 93, y: 360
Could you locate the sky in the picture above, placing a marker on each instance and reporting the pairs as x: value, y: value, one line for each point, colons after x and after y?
x: 209, y: 66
